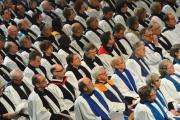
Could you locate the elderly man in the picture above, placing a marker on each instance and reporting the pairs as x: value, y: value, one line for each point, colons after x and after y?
x: 62, y: 86
x: 13, y: 34
x: 13, y: 60
x: 7, y: 110
x: 78, y: 40
x: 92, y: 104
x: 109, y: 89
x: 43, y: 105
x: 48, y: 15
x: 18, y: 90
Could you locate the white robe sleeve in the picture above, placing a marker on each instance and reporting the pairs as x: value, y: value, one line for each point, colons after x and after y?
x: 36, y: 109
x: 131, y: 65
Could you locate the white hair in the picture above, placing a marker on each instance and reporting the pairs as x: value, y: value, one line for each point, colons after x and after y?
x: 96, y: 71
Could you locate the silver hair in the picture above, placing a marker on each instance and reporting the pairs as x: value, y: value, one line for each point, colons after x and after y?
x: 151, y: 79
x: 16, y: 73
x: 96, y: 71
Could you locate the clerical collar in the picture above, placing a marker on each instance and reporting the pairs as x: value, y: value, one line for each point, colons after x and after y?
x: 39, y: 92
x: 76, y: 37
x: 101, y: 82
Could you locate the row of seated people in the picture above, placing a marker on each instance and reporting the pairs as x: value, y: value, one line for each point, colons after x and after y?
x: 97, y: 98
x: 120, y: 40
x: 168, y: 34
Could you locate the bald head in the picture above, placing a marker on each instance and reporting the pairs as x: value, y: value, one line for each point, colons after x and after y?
x: 16, y: 75
x: 58, y: 71
x: 85, y: 85
x: 77, y: 29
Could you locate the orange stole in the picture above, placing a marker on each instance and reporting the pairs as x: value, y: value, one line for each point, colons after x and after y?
x: 102, y: 87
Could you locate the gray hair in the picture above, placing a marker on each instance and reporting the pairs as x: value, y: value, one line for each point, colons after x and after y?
x: 16, y: 73
x: 151, y: 79
x: 163, y: 67
x: 137, y: 44
x: 96, y: 71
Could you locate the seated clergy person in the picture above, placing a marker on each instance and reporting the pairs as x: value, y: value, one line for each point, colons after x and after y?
x: 137, y: 61
x: 7, y: 110
x: 123, y: 78
x: 34, y: 66
x: 153, y: 52
x: 78, y: 40
x: 109, y: 89
x: 13, y: 59
x: 75, y: 69
x: 42, y: 104
x: 92, y: 104
x: 18, y: 90
x: 170, y: 82
x: 149, y: 108
x: 4, y: 71
x: 49, y: 57
x: 168, y: 103
x: 63, y: 86
x: 90, y: 58
x: 123, y: 44
x: 175, y: 52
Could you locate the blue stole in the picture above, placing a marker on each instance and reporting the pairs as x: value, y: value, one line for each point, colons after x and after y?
x: 176, y: 61
x: 161, y: 99
x: 144, y: 72
x: 95, y: 107
x: 176, y: 84
x: 155, y: 112
x: 129, y: 82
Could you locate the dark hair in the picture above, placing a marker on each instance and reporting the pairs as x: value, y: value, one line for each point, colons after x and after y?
x: 131, y: 21
x: 77, y: 5
x: 35, y: 16
x: 53, y: 69
x: 33, y: 55
x: 45, y: 44
x: 120, y: 4
x: 2, y: 38
x: 67, y: 12
x: 81, y: 86
x: 64, y: 41
x: 69, y: 58
x: 144, y: 93
x: 105, y: 37
x: 35, y: 79
x: 107, y: 9
x: 118, y: 27
x: 57, y: 24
